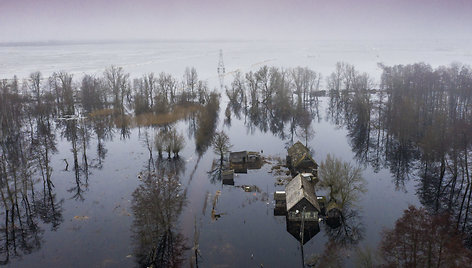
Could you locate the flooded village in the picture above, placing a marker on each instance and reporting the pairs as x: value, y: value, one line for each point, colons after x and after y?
x: 265, y: 167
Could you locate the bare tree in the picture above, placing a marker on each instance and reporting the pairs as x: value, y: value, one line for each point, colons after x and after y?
x: 35, y: 85
x: 190, y: 81
x: 221, y: 144
x: 344, y: 181
x: 117, y: 82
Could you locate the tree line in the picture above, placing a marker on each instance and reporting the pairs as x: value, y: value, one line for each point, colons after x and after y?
x: 114, y: 89
x: 419, y: 126
x: 271, y: 98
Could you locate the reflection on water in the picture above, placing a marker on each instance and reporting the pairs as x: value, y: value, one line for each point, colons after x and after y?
x: 157, y: 204
x: 272, y: 98
x: 29, y: 202
x: 416, y: 125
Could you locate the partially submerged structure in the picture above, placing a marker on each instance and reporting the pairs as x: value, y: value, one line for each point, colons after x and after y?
x: 238, y: 157
x: 280, y: 208
x: 299, y: 204
x: 333, y: 215
x: 241, y: 161
x: 227, y: 177
x: 301, y: 200
x: 299, y: 160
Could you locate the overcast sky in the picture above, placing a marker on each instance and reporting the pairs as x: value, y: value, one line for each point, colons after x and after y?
x: 42, y: 20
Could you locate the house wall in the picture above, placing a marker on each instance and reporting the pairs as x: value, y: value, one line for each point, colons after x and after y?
x: 303, y: 203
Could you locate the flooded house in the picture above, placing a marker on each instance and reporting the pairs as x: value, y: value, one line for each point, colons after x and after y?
x: 301, y: 200
x: 299, y: 204
x: 299, y: 160
x: 241, y: 161
x: 299, y: 196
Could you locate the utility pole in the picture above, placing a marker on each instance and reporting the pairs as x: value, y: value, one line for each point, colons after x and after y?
x: 221, y: 69
x: 302, y: 233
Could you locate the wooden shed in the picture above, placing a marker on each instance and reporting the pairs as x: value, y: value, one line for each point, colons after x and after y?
x: 280, y: 208
x: 227, y: 177
x: 333, y: 214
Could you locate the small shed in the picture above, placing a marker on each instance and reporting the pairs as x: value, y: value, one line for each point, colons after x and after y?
x: 299, y: 159
x: 280, y: 208
x: 301, y: 200
x: 227, y: 177
x: 254, y: 160
x: 333, y: 215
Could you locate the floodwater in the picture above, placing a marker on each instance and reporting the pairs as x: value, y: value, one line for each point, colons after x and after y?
x: 104, y: 211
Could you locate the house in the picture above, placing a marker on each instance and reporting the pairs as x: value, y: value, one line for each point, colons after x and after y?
x: 302, y: 209
x: 299, y: 204
x: 302, y: 203
x: 299, y: 160
x: 244, y: 160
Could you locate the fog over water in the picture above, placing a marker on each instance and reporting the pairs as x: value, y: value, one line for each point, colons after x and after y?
x: 40, y: 20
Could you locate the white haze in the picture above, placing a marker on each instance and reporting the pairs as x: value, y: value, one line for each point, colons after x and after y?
x: 42, y: 20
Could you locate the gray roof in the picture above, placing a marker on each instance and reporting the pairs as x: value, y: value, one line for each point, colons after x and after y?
x: 299, y: 188
x: 298, y: 152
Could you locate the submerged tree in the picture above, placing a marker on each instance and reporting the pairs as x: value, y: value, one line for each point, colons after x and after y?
x: 344, y: 181
x: 272, y: 98
x: 169, y: 141
x: 178, y: 142
x: 221, y: 144
x: 206, y: 122
x: 345, y: 184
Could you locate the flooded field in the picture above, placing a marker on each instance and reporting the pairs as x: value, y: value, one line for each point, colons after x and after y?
x: 128, y: 178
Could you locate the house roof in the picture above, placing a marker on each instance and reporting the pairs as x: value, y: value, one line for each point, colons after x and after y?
x: 299, y: 188
x: 298, y: 152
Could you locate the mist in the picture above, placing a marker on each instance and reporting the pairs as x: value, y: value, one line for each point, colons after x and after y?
x: 42, y: 20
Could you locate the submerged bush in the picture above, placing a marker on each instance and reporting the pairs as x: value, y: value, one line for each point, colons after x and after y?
x: 169, y: 141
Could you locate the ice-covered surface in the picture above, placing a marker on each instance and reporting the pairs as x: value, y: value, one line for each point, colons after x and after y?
x: 139, y: 58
